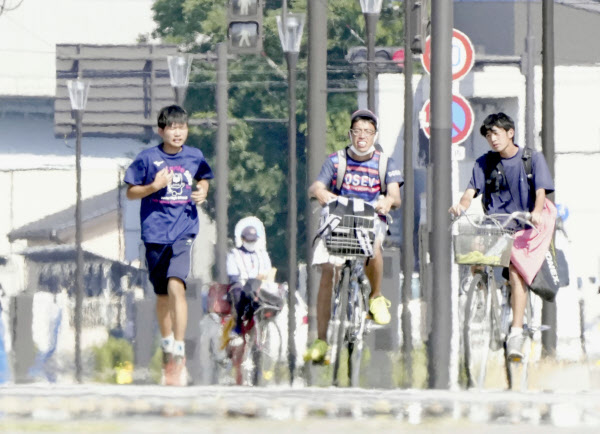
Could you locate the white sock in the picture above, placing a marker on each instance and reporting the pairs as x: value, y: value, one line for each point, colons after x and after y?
x: 515, y: 331
x: 167, y: 343
x: 179, y: 348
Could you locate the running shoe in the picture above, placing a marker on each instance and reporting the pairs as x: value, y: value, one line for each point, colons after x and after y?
x: 514, y: 347
x: 176, y: 374
x: 316, y: 352
x: 380, y: 310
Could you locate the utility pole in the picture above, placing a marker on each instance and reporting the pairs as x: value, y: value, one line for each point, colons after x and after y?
x: 317, y: 138
x: 222, y: 166
x: 440, y: 201
x: 408, y: 205
x: 548, y: 309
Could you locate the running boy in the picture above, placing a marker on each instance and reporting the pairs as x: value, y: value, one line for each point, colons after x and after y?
x: 162, y: 177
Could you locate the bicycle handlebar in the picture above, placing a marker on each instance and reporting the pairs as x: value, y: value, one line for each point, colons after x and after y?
x: 518, y: 216
x: 314, y: 200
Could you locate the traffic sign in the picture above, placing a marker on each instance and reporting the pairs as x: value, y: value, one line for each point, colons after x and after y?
x: 462, y: 119
x: 463, y: 55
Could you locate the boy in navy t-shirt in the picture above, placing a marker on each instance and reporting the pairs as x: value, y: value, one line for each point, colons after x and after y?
x: 162, y: 177
x: 509, y: 194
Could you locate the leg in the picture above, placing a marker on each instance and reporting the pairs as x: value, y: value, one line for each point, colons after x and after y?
x: 324, y: 300
x: 178, y: 307
x: 374, y: 269
x: 163, y: 315
x: 518, y: 294
x: 378, y: 304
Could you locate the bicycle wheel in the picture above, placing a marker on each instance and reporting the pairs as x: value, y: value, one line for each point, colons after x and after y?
x: 339, y: 319
x: 356, y: 344
x: 476, y: 331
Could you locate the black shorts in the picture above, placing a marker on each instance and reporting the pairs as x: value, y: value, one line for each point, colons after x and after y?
x: 168, y: 260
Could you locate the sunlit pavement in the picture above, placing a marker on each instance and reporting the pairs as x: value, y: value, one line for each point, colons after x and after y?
x: 119, y: 404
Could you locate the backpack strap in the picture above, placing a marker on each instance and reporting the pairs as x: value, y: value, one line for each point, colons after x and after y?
x: 383, y: 164
x: 341, y: 169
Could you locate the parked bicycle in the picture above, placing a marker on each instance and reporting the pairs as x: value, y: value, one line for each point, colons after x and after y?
x: 349, y: 239
x: 485, y: 242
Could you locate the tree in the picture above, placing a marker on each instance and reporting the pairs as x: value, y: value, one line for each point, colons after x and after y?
x: 258, y: 90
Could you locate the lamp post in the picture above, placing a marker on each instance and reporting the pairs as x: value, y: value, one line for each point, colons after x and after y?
x: 371, y: 10
x: 179, y: 72
x: 78, y: 94
x: 290, y: 28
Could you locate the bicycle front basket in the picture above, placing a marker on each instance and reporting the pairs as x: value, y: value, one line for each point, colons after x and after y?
x: 350, y: 236
x: 487, y: 244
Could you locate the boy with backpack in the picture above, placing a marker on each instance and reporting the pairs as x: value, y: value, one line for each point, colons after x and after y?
x: 363, y: 171
x: 510, y: 179
x: 162, y: 177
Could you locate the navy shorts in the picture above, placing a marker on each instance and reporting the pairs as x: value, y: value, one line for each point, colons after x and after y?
x: 168, y: 260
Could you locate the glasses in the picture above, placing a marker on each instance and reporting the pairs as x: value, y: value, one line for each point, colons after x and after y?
x: 367, y: 133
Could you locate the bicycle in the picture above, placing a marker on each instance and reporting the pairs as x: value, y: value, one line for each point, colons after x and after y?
x: 349, y: 236
x: 254, y: 354
x: 485, y: 243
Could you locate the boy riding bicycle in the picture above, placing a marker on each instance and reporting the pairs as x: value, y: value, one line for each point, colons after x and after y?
x: 361, y: 179
x: 501, y: 178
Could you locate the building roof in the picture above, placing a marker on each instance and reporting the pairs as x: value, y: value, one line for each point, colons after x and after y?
x: 51, y: 226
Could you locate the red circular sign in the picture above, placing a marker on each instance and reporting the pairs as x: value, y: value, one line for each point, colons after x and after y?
x: 463, y: 55
x: 462, y: 119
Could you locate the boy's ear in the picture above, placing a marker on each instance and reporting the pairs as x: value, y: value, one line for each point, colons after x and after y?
x: 161, y: 131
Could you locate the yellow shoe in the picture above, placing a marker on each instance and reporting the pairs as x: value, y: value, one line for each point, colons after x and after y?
x: 316, y: 352
x: 226, y: 329
x: 380, y: 310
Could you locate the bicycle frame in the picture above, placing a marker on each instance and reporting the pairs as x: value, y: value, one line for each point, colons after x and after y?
x: 348, y: 326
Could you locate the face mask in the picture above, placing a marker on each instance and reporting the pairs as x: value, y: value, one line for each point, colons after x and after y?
x: 362, y: 154
x: 249, y: 245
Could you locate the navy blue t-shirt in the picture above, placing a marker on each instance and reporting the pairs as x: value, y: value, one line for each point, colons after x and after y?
x: 168, y: 214
x: 513, y: 195
x: 361, y: 178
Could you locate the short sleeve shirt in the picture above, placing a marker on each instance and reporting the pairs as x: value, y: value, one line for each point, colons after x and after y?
x: 514, y: 194
x: 168, y: 214
x: 361, y: 178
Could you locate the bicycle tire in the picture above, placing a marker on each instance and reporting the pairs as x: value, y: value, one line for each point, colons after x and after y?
x: 341, y: 317
x: 496, y: 340
x: 476, y: 331
x: 355, y: 347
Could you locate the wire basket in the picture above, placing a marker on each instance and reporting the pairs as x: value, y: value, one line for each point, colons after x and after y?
x: 487, y: 243
x: 344, y: 240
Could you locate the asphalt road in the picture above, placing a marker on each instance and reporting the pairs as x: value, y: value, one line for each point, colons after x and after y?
x: 223, y: 409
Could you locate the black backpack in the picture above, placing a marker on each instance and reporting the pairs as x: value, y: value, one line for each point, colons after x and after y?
x: 494, y: 176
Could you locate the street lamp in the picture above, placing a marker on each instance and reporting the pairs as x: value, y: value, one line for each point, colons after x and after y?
x: 179, y: 72
x: 371, y: 10
x: 290, y: 28
x: 78, y: 93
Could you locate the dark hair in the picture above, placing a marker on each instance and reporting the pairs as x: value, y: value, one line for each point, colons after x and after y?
x: 170, y: 115
x: 499, y: 120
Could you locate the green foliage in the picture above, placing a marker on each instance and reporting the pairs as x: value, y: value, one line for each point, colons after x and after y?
x: 258, y: 90
x: 113, y: 354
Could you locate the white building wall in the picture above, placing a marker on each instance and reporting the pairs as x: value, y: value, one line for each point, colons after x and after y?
x: 29, y: 34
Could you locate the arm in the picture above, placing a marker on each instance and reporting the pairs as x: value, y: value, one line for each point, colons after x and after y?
x: 540, y: 198
x: 390, y: 200
x: 201, y: 192
x: 162, y: 179
x: 319, y: 191
x: 464, y: 203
